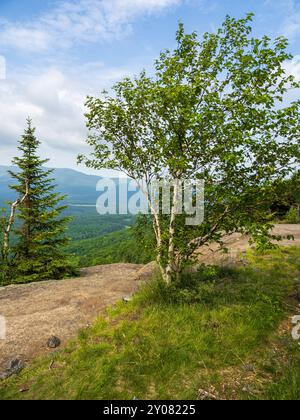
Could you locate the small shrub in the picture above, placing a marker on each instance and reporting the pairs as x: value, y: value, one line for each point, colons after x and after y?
x: 198, y: 287
x: 292, y: 216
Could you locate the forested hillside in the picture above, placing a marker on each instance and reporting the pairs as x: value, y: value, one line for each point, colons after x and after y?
x: 120, y: 246
x: 86, y: 224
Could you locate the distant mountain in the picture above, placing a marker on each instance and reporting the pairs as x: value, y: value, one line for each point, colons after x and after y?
x: 79, y: 188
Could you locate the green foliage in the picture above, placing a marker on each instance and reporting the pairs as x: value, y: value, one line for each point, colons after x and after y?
x: 144, y: 236
x: 6, y: 273
x: 294, y: 189
x: 7, y: 268
x: 292, y: 216
x: 116, y: 247
x: 288, y: 195
x: 37, y: 253
x: 215, y: 110
x: 160, y: 348
x: 197, y: 287
x: 86, y: 223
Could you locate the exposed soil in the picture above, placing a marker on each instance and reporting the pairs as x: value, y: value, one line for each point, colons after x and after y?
x: 237, y: 244
x: 36, y: 311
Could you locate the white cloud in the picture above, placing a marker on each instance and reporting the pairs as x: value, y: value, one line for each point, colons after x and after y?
x: 54, y: 98
x: 291, y: 24
x: 293, y: 67
x: 51, y: 101
x: 24, y: 37
x: 289, y: 13
x: 79, y: 21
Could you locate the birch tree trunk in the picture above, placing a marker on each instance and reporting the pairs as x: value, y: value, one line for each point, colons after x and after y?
x: 156, y: 225
x: 173, y: 267
x: 11, y: 220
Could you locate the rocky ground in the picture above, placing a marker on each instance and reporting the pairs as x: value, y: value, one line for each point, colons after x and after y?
x: 237, y: 244
x: 35, y: 312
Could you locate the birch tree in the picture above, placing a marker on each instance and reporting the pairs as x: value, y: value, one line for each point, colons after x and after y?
x: 216, y: 109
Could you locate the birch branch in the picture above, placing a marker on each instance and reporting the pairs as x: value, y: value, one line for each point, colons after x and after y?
x: 7, y: 229
x: 198, y: 242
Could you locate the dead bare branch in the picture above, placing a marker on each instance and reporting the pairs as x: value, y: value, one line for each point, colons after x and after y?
x: 11, y: 220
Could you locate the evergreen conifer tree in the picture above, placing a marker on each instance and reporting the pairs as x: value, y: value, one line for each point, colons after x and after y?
x: 41, y: 233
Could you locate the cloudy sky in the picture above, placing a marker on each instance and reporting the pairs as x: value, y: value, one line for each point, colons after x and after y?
x: 58, y: 51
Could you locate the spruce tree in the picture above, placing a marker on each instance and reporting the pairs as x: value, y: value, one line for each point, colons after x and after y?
x: 41, y: 231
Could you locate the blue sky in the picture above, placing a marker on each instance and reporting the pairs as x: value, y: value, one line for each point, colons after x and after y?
x: 58, y: 51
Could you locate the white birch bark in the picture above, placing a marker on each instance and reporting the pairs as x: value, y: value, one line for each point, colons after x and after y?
x: 8, y: 227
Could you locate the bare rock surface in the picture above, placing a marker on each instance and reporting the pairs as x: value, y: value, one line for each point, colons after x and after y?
x: 34, y: 312
x: 237, y: 244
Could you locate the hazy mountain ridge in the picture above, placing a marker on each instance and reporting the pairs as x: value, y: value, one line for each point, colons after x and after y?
x: 79, y: 188
x: 82, y: 196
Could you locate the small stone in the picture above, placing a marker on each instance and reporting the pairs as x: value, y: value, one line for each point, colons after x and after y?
x: 249, y: 389
x: 205, y: 395
x: 249, y: 368
x: 4, y: 375
x: 53, y: 342
x: 14, y: 367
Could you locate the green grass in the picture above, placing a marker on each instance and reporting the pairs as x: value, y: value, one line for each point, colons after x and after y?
x: 169, y: 343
